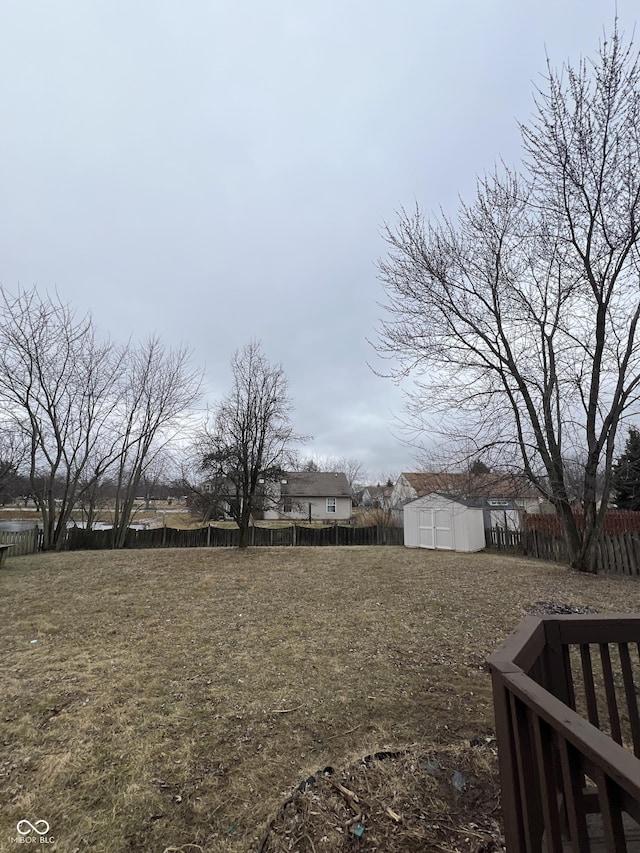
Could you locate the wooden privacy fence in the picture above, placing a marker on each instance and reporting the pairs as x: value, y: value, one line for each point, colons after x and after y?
x: 565, y: 692
x: 618, y: 553
x: 530, y: 543
x: 21, y: 541
x: 202, y: 537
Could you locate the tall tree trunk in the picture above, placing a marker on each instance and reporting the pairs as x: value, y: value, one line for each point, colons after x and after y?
x: 243, y: 526
x: 581, y: 543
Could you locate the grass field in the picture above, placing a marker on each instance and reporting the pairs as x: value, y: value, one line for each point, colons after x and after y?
x: 171, y: 700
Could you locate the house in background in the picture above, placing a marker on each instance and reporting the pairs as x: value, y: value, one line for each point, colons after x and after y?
x: 221, y: 495
x: 309, y: 495
x: 503, y: 497
x: 374, y: 497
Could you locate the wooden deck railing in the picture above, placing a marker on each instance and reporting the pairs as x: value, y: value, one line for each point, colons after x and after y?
x: 565, y: 694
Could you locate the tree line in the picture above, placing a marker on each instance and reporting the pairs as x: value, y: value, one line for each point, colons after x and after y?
x: 88, y: 421
x: 78, y: 409
x: 518, y: 317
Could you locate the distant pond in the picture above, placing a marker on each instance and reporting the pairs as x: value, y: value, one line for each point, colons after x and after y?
x: 17, y: 526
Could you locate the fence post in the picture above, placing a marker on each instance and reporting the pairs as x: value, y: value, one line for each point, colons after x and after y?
x: 635, y: 543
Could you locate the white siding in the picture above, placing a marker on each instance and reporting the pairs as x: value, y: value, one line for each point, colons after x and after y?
x: 439, y: 523
x: 402, y: 492
x: 300, y: 510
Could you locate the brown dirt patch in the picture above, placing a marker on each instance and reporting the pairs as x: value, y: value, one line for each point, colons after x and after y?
x: 410, y: 800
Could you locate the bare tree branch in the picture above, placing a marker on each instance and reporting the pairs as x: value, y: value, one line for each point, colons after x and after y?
x: 56, y: 379
x: 251, y: 437
x: 519, y: 319
x: 157, y: 389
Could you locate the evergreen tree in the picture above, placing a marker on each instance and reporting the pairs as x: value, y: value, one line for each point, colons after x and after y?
x: 626, y: 474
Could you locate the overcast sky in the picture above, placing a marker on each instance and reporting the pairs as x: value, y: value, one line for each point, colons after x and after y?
x: 220, y: 171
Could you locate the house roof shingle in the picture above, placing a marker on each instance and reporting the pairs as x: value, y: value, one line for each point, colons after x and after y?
x: 310, y: 484
x: 492, y: 485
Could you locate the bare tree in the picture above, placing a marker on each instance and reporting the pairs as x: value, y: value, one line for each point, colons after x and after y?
x: 201, y: 502
x: 157, y: 389
x: 13, y: 450
x: 95, y: 498
x: 251, y: 436
x: 350, y: 466
x: 520, y: 316
x: 56, y: 388
x: 386, y: 477
x: 154, y: 483
x: 354, y: 471
x: 311, y: 464
x: 84, y: 407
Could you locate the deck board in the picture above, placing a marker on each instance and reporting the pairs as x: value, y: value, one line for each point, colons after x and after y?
x: 596, y: 836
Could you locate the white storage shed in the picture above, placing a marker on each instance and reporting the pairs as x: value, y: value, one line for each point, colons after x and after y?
x: 443, y: 523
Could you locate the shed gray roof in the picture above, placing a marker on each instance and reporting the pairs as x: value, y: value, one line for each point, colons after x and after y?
x: 313, y: 484
x: 473, y: 503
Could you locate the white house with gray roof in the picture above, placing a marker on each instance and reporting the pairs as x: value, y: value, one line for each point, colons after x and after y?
x: 310, y: 495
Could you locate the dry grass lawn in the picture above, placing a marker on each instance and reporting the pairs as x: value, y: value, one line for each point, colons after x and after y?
x: 173, y: 699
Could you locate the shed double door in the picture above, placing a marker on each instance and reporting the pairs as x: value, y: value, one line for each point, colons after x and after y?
x: 435, y: 529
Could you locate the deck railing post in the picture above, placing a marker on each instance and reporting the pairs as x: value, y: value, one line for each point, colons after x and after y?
x: 508, y: 767
x: 557, y: 666
x: 529, y: 778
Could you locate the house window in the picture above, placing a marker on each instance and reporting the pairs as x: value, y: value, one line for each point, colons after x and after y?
x: 331, y: 504
x: 286, y: 505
